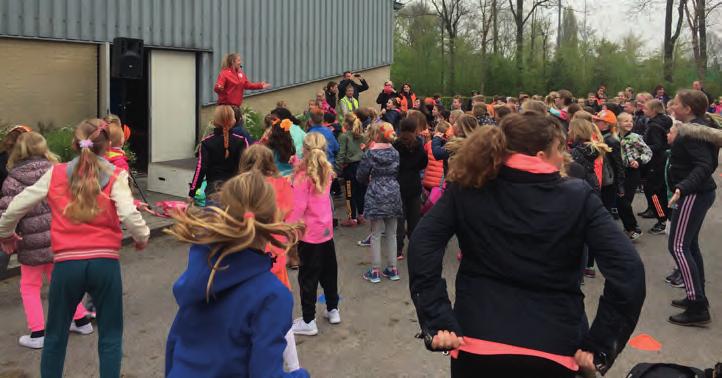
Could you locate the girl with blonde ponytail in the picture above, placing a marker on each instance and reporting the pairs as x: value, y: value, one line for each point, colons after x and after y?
x: 228, y: 278
x: 88, y: 198
x: 312, y: 205
x: 219, y: 153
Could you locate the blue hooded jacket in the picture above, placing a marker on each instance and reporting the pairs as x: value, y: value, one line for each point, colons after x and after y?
x: 331, y: 142
x: 240, y: 331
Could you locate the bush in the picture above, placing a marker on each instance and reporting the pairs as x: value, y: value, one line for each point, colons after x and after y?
x: 60, y: 141
x: 253, y: 122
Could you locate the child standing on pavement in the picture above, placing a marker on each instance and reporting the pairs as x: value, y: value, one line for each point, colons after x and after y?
x: 29, y: 160
x: 351, y: 144
x: 312, y: 205
x: 379, y: 169
x: 233, y: 312
x: 88, y: 199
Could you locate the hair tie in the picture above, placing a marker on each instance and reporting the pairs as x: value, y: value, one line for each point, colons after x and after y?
x: 275, y: 122
x: 85, y: 143
x: 286, y: 125
x: 248, y: 215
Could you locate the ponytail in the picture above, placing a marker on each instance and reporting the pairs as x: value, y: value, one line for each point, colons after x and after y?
x: 479, y: 157
x: 91, y: 139
x: 224, y: 118
x: 315, y: 162
x: 248, y: 218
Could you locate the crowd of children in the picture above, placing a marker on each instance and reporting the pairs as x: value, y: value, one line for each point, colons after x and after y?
x: 271, y: 206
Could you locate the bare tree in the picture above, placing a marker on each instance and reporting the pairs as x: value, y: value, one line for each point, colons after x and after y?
x: 520, y: 19
x: 451, y: 13
x: 487, y: 12
x: 670, y: 39
x: 697, y: 21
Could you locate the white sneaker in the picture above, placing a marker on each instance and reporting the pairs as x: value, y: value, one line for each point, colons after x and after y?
x: 333, y: 316
x: 302, y: 328
x: 83, y: 330
x: 32, y: 342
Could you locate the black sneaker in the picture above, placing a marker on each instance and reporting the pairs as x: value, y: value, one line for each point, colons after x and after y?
x: 678, y: 282
x: 681, y: 303
x: 658, y: 228
x: 696, y: 314
x: 675, y: 273
x: 647, y: 214
x: 634, y: 235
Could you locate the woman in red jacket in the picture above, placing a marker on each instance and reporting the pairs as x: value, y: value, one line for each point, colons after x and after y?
x: 232, y: 81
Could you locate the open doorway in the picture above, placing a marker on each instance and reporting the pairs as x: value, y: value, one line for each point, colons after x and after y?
x: 129, y: 100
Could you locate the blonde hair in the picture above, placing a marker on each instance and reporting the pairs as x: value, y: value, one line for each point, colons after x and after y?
x: 353, y: 124
x: 655, y: 105
x: 84, y: 180
x: 382, y: 132
x: 315, y: 163
x: 260, y: 158
x: 228, y: 59
x: 465, y: 125
x: 550, y: 99
x: 581, y: 130
x: 583, y: 114
x: 620, y: 118
x: 479, y: 110
x: 28, y: 145
x: 455, y: 114
x: 442, y: 127
x: 115, y: 130
x: 223, y: 117
x: 246, y: 217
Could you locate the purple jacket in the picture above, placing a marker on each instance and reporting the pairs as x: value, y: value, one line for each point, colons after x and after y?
x: 34, y: 228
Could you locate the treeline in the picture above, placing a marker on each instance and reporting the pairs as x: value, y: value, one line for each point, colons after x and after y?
x: 505, y: 47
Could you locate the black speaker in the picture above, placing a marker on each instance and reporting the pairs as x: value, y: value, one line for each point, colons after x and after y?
x: 127, y: 59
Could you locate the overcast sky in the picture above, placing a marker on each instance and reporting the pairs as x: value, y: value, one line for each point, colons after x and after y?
x: 614, y: 19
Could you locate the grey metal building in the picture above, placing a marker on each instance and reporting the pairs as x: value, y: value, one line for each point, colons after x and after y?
x: 55, y: 59
x: 285, y: 42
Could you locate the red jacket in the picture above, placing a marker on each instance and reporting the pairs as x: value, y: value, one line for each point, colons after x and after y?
x: 97, y: 239
x: 233, y: 83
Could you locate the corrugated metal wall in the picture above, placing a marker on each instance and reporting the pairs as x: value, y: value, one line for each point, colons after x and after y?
x: 284, y: 42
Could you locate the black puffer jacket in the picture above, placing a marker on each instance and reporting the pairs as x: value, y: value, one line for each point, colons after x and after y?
x: 692, y: 162
x: 523, y: 238
x: 656, y: 139
x: 411, y: 162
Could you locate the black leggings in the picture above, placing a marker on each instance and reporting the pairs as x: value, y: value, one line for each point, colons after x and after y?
x: 506, y: 365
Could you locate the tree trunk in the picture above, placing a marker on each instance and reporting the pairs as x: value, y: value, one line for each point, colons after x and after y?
x: 702, y: 25
x: 495, y: 26
x: 669, y: 39
x: 519, y: 21
x: 452, y: 66
x: 443, y: 61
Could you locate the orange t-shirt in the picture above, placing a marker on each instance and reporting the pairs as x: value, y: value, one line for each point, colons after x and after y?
x: 284, y: 202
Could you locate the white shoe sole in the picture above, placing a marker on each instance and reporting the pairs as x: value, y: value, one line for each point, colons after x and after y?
x: 325, y: 315
x: 305, y: 333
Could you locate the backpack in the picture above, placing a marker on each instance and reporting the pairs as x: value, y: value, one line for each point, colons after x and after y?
x: 660, y: 370
x: 607, y: 172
